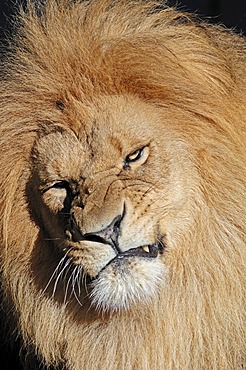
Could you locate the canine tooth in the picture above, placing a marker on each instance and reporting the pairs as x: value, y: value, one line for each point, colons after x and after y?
x: 146, y: 248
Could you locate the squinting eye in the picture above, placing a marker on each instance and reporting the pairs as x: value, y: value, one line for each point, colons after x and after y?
x: 138, y: 156
x: 56, y: 195
x: 59, y: 185
x: 135, y: 156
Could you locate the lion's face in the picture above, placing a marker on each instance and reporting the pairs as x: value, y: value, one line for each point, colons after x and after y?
x: 107, y: 197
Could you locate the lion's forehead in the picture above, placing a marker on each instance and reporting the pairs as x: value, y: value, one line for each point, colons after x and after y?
x: 110, y: 132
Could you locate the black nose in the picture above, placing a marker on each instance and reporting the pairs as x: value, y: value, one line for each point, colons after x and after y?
x: 109, y: 235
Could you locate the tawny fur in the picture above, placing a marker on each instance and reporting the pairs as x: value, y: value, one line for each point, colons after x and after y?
x: 196, y: 75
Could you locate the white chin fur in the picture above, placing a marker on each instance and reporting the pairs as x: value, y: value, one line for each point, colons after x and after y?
x: 123, y: 283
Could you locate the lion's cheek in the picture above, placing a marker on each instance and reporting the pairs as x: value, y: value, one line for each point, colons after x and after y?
x: 128, y: 281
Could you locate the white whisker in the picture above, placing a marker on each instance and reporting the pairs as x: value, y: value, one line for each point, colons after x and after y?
x: 68, y: 286
x: 59, y: 275
x: 75, y: 275
x: 79, y: 279
x: 55, y: 272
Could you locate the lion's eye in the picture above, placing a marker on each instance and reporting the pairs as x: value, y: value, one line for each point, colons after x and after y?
x: 139, y: 156
x: 135, y: 156
x: 55, y: 195
x: 58, y: 185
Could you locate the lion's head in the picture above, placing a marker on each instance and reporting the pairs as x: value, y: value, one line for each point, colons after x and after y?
x: 122, y: 187
x: 98, y: 192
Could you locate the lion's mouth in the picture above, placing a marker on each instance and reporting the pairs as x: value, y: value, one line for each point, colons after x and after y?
x: 116, y: 277
x: 98, y: 250
x: 131, y: 276
x: 147, y: 251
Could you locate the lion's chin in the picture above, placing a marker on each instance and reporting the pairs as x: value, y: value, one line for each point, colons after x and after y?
x: 125, y: 282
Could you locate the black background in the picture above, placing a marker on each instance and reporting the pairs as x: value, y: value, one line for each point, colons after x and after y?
x: 231, y: 13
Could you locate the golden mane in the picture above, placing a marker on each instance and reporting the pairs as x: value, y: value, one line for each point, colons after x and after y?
x: 69, y: 52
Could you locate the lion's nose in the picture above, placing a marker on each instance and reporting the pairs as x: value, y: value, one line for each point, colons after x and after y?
x: 109, y: 235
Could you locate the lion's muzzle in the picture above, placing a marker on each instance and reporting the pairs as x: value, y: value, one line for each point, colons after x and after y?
x: 106, y: 244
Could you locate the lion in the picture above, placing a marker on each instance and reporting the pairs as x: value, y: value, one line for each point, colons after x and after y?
x: 122, y: 203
